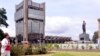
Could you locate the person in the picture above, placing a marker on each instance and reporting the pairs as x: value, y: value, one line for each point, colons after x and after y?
x: 5, y: 45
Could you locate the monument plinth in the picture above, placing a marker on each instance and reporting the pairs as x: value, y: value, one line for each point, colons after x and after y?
x: 84, y: 36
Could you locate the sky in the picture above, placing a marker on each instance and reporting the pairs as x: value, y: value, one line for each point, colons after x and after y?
x: 63, y: 17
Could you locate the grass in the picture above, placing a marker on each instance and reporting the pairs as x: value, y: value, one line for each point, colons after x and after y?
x: 61, y: 54
x: 72, y: 53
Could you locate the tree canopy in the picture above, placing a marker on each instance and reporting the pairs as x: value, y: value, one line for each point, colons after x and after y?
x: 95, y: 37
x: 1, y: 34
x: 3, y: 17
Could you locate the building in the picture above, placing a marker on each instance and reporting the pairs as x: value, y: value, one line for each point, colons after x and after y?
x: 36, y: 21
x: 57, y: 39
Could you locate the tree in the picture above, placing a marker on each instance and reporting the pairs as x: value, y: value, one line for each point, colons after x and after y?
x: 1, y: 34
x: 3, y: 22
x: 3, y: 17
x: 95, y: 37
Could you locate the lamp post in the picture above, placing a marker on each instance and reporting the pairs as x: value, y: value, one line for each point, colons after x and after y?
x: 25, y: 20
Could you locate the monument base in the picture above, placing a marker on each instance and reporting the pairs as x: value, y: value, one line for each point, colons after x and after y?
x: 84, y: 37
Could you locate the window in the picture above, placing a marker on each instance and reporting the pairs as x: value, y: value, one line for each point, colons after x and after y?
x: 35, y: 8
x: 19, y: 8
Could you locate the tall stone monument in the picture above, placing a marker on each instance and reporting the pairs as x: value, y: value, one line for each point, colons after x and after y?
x: 84, y: 36
x: 99, y: 31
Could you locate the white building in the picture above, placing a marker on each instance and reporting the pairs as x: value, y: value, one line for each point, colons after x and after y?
x: 36, y: 19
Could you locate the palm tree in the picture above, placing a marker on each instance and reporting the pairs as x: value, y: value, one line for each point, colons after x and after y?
x: 3, y: 17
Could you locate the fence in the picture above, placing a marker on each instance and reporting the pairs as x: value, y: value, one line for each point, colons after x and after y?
x: 78, y: 46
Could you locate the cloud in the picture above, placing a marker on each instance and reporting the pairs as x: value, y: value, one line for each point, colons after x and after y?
x: 64, y: 17
x: 73, y: 8
x: 57, y: 25
x: 66, y: 26
x: 9, y: 30
x: 60, y: 26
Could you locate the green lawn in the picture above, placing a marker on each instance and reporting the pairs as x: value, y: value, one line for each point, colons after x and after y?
x: 62, y: 54
x: 71, y: 53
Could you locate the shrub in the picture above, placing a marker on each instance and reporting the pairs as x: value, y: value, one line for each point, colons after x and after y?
x: 28, y: 51
x: 31, y: 50
x: 56, y: 46
x: 83, y: 47
x: 90, y: 47
x: 38, y: 50
x: 42, y: 50
x: 17, y: 50
x: 49, y: 47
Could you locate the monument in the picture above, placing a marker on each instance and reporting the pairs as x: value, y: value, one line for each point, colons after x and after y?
x: 99, y: 31
x: 84, y: 37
